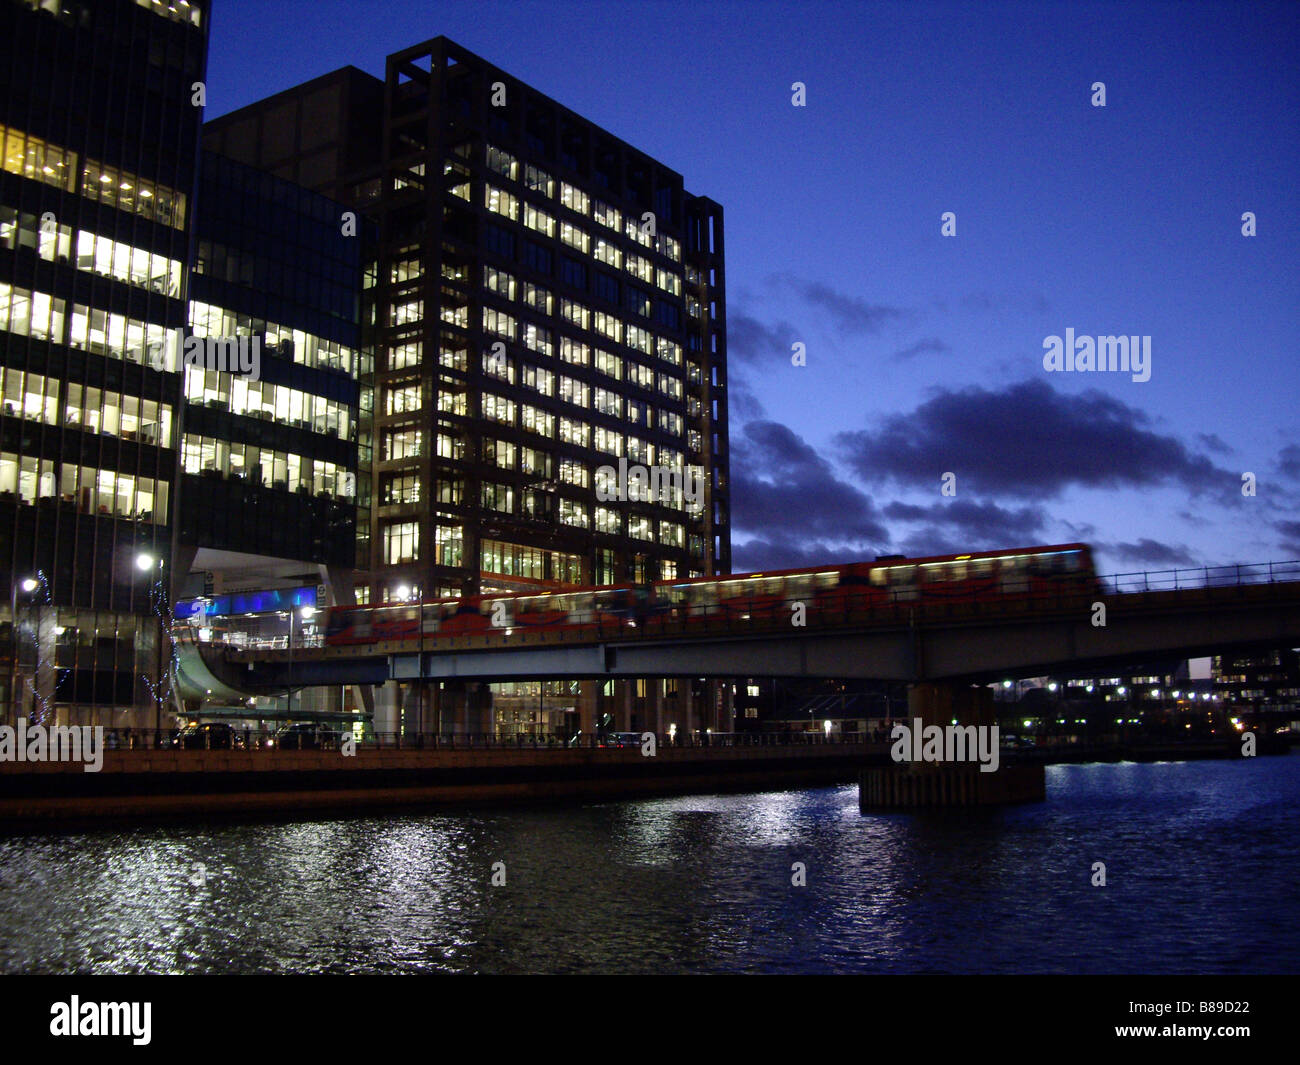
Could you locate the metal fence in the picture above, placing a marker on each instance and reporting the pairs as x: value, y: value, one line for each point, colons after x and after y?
x: 271, y: 740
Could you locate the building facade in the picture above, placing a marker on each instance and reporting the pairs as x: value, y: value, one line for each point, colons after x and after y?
x: 546, y: 307
x: 100, y: 129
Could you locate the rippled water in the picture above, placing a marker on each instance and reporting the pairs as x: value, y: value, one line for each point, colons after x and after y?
x: 1201, y: 866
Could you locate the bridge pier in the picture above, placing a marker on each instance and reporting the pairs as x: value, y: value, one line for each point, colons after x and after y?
x: 907, y: 784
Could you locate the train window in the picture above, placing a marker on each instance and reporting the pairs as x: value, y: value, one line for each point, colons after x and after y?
x: 827, y: 580
x: 879, y: 576
x: 982, y: 567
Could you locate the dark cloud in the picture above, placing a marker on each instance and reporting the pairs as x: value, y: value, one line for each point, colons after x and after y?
x: 929, y: 346
x: 749, y: 340
x: 1150, y: 552
x: 968, y: 526
x: 784, y: 493
x: 1028, y: 440
x: 848, y: 314
x: 1213, y: 442
x: 760, y: 554
x: 1080, y: 532
x: 1288, y: 461
x: 742, y: 404
x: 1290, y: 543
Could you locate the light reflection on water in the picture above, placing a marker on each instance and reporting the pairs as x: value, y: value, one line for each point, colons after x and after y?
x: 1201, y: 868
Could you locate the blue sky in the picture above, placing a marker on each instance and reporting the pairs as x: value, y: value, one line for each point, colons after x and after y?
x: 924, y: 352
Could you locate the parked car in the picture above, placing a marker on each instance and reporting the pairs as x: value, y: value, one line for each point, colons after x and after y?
x: 307, y: 737
x: 622, y: 739
x: 211, y: 735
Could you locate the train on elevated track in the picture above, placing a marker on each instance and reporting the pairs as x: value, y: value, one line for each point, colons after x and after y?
x: 1035, y: 572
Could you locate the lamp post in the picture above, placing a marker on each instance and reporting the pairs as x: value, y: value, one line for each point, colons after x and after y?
x: 306, y: 613
x: 29, y: 585
x: 146, y: 563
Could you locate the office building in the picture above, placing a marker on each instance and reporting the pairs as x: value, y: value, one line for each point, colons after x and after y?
x: 547, y: 314
x: 100, y: 140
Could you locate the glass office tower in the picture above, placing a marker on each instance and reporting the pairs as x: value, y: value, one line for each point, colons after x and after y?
x: 100, y: 136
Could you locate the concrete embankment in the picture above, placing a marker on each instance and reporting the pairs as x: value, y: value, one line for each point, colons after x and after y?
x: 191, y: 785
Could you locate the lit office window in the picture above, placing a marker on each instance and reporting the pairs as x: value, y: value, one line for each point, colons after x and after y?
x: 539, y: 180
x: 608, y: 363
x: 575, y: 352
x: 31, y: 157
x: 536, y: 420
x: 500, y: 323
x: 575, y: 313
x: 575, y: 237
x: 401, y: 542
x: 498, y: 409
x: 608, y: 216
x: 539, y: 380
x: 573, y: 513
x: 574, y: 198
x: 401, y: 444
x: 575, y: 392
x: 536, y: 218
x: 575, y: 432
x: 503, y: 163
x: 498, y: 281
x: 501, y: 202
x: 608, y: 441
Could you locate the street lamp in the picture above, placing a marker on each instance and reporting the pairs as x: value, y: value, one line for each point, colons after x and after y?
x: 28, y: 585
x: 306, y: 613
x: 158, y: 599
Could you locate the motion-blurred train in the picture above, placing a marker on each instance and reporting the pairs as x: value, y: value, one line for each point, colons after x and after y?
x: 1031, y: 572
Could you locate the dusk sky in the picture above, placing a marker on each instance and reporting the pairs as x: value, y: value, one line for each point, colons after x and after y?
x: 925, y: 352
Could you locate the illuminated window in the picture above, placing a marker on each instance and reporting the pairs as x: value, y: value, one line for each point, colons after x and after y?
x: 401, y: 542
x: 609, y: 441
x: 31, y: 157
x: 127, y: 192
x: 539, y: 180
x: 503, y: 163
x: 498, y: 409
x: 575, y: 237
x: 539, y: 380
x: 501, y: 202
x: 403, y: 398
x: 574, y: 472
x: 608, y: 253
x: 575, y: 313
x: 498, y: 281
x: 608, y: 363
x: 536, y: 218
x: 498, y: 322
x: 575, y: 432
x: 575, y: 392
x: 575, y: 352
x: 401, y: 444
x: 573, y: 513
x: 608, y: 216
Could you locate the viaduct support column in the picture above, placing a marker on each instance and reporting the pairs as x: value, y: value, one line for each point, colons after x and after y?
x: 958, y: 765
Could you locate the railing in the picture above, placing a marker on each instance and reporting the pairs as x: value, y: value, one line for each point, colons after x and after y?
x: 272, y: 740
x: 1236, y: 575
